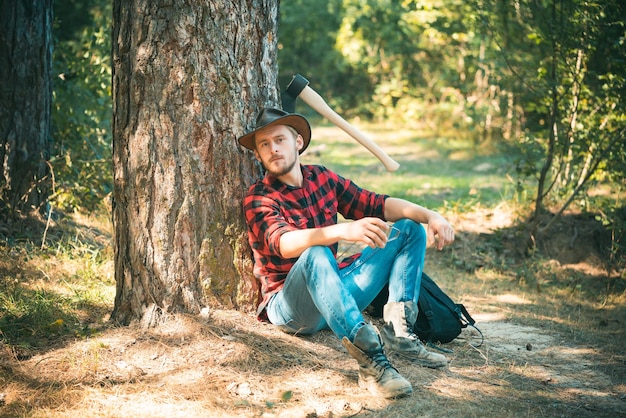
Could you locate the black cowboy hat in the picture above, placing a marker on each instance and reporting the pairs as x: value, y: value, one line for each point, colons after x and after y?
x: 270, y: 117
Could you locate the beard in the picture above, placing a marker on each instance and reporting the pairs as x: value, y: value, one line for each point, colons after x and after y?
x: 282, y: 171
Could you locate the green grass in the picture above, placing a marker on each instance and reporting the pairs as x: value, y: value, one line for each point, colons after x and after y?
x: 50, y: 293
x: 436, y: 173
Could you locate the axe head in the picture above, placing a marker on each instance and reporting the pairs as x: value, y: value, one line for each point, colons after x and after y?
x: 289, y: 96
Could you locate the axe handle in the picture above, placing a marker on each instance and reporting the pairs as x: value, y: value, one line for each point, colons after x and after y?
x: 310, y: 97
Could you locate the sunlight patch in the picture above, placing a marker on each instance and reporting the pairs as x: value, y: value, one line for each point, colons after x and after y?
x: 489, y: 317
x: 574, y: 351
x: 504, y: 337
x: 513, y: 299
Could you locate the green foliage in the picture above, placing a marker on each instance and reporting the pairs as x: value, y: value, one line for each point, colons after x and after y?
x: 563, y: 63
x: 613, y: 217
x: 307, y: 34
x: 81, y: 114
x: 31, y: 317
x: 413, y: 62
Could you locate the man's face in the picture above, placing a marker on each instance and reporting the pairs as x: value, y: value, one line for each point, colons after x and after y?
x: 277, y: 149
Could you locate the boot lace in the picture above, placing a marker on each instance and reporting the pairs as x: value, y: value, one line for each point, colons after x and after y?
x: 380, y: 359
x: 409, y: 330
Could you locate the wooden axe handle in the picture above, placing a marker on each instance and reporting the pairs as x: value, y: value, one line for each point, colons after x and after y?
x: 310, y: 97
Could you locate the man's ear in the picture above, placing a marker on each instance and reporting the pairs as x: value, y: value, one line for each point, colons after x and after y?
x: 299, y: 142
x: 256, y: 154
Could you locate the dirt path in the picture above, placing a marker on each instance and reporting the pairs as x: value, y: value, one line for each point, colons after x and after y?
x: 230, y: 365
x: 569, y: 372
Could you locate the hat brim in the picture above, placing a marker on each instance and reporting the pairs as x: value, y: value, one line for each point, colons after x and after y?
x: 296, y: 121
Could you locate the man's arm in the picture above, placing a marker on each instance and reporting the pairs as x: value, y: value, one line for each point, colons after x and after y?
x: 439, y: 230
x: 370, y: 231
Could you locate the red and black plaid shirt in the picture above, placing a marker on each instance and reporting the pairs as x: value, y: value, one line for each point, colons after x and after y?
x: 272, y: 208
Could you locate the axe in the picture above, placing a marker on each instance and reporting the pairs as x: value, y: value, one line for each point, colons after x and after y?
x: 299, y: 87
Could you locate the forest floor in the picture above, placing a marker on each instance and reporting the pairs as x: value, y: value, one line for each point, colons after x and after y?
x: 554, y: 347
x: 554, y: 324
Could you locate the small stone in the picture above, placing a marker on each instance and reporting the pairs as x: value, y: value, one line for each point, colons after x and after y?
x: 204, y: 312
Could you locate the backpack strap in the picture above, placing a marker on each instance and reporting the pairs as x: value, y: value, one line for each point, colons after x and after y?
x: 467, y: 320
x: 426, y: 308
x: 482, y: 337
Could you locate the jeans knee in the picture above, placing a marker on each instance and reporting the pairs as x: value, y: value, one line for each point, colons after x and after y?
x: 413, y: 229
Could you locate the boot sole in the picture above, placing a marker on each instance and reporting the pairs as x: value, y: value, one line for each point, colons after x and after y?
x: 422, y: 362
x: 374, y: 389
x: 392, y: 348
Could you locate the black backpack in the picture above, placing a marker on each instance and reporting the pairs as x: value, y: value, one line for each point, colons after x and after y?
x: 439, y: 320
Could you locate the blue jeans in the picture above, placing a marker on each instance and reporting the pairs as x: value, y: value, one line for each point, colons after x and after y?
x: 317, y: 294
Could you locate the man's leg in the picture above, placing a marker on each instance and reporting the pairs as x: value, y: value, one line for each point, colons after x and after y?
x: 401, y: 263
x: 316, y: 281
x: 313, y: 296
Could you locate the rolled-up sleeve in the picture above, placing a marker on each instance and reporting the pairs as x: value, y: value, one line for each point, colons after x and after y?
x: 266, y: 223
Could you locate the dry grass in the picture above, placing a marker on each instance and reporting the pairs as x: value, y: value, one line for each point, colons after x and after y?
x: 553, y: 350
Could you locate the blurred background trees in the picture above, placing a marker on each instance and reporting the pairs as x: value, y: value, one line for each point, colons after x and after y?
x: 82, y: 106
x: 544, y: 80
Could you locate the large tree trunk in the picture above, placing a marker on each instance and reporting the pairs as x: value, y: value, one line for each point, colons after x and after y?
x: 25, y: 105
x: 188, y: 78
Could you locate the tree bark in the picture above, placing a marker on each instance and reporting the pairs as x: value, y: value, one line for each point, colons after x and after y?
x: 25, y: 106
x: 188, y: 79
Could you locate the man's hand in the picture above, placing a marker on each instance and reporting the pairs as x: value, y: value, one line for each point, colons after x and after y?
x: 370, y: 231
x: 439, y: 231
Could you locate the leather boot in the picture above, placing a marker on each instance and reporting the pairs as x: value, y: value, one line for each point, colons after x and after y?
x: 375, y: 372
x: 399, y: 318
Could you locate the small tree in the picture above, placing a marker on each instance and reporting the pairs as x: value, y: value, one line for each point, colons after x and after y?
x: 586, y: 123
x: 564, y: 63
